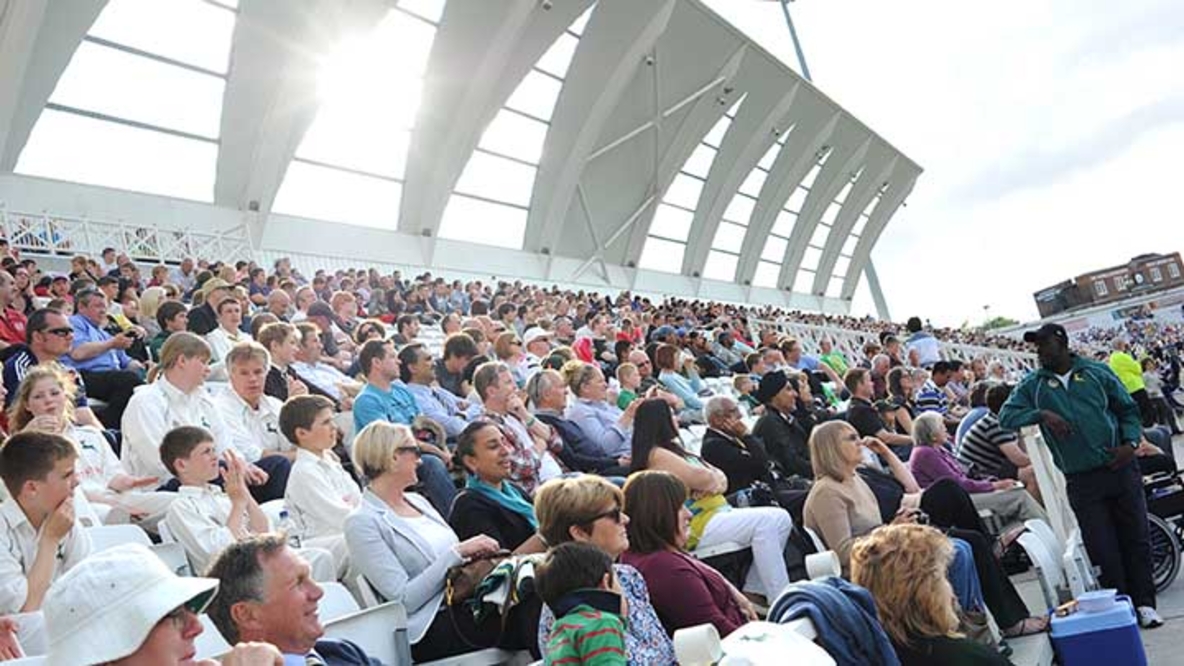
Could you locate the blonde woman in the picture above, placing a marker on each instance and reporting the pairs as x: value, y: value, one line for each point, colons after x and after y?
x: 45, y: 403
x: 842, y: 507
x: 150, y: 302
x: 404, y: 548
x: 904, y: 567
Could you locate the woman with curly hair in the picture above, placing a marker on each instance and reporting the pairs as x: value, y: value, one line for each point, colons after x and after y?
x: 904, y: 567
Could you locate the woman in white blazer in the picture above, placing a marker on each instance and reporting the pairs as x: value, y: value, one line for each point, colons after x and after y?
x: 404, y: 548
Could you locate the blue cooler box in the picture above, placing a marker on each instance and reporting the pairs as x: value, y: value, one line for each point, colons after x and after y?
x: 1107, y: 638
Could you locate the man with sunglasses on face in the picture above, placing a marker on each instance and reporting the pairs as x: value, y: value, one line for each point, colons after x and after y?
x: 48, y: 336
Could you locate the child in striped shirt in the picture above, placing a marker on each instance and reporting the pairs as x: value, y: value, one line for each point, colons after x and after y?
x: 576, y: 581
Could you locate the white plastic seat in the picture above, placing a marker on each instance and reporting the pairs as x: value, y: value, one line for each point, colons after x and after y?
x: 27, y: 661
x: 103, y: 537
x: 272, y: 510
x: 210, y: 643
x: 173, y: 555
x: 366, y: 592
x: 724, y: 548
x: 1046, y: 534
x: 1047, y: 565
x: 337, y: 602
x: 381, y: 631
x: 487, y: 657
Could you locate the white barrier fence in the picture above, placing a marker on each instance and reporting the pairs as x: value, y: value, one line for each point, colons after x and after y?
x: 851, y: 343
x: 63, y: 235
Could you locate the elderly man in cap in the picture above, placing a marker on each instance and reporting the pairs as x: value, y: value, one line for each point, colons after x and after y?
x: 124, y: 606
x: 538, y: 347
x: 1092, y: 426
x: 784, y: 437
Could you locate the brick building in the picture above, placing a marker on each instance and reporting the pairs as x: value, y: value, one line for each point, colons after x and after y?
x: 1144, y: 274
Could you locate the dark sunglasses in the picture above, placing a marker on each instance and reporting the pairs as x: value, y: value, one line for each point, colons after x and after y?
x: 613, y: 514
x: 60, y: 332
x: 409, y: 449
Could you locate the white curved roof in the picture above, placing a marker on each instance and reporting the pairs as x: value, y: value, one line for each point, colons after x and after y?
x: 622, y: 134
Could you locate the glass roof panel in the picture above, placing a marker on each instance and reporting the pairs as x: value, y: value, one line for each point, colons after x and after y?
x: 558, y: 58
x: 728, y: 237
x: 431, y: 10
x: 497, y: 178
x: 80, y: 149
x: 123, y: 85
x: 740, y: 209
x: 502, y: 226
x: 671, y: 222
x: 189, y: 31
x: 699, y: 163
x: 774, y: 250
x: 684, y: 191
x: 310, y: 190
x: 662, y: 255
x: 804, y: 284
x: 515, y: 135
x: 536, y: 95
x: 766, y: 275
x: 720, y: 266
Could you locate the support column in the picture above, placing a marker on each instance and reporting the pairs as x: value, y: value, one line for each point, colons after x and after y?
x: 873, y: 283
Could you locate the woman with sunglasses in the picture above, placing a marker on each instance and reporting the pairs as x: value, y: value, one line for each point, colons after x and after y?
x: 405, y: 549
x: 588, y: 509
x: 507, y: 347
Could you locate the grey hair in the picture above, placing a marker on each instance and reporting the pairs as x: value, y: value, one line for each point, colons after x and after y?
x: 929, y: 429
x: 880, y: 358
x: 240, y: 573
x: 539, y: 383
x: 716, y: 405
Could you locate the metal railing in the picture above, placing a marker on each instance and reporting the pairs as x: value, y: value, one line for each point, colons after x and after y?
x: 850, y: 343
x: 66, y: 235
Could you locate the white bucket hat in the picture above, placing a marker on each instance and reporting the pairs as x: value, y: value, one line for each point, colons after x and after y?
x: 104, y: 608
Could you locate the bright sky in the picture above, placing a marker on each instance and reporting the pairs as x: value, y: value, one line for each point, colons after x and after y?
x: 1050, y: 134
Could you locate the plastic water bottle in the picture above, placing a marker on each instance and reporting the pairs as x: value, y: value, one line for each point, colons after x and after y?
x: 288, y: 527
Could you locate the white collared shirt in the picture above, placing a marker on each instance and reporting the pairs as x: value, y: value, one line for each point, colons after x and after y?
x: 221, y: 342
x: 18, y: 549
x: 97, y: 463
x: 251, y: 431
x: 320, y: 494
x: 153, y: 411
x: 323, y: 375
x: 198, y: 521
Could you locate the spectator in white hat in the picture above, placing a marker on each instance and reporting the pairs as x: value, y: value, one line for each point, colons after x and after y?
x: 124, y: 606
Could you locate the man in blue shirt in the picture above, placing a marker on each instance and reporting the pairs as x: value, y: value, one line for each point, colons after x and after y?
x: 384, y: 398
x: 109, y: 374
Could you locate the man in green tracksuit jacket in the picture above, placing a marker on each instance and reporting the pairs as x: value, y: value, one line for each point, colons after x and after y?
x: 1093, y: 428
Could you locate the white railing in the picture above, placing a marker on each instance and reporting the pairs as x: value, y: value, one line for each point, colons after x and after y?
x: 851, y: 343
x: 65, y: 235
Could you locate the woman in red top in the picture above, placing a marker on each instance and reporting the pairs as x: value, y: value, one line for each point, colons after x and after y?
x: 683, y: 590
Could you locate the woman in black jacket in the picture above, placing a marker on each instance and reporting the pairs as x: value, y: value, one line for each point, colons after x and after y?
x: 489, y: 503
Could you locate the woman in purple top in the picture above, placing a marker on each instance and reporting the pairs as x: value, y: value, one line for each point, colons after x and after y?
x: 683, y: 590
x: 931, y: 462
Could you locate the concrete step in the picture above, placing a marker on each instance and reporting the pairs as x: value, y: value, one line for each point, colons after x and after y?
x: 1031, y: 650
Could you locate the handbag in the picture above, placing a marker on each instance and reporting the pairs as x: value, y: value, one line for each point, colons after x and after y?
x: 462, y: 580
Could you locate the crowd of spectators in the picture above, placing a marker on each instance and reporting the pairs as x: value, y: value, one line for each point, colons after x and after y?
x: 411, y: 425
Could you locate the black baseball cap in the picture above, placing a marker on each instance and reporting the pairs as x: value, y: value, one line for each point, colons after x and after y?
x: 1046, y: 332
